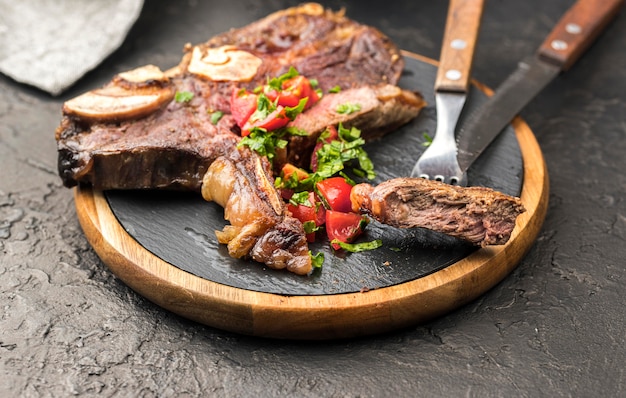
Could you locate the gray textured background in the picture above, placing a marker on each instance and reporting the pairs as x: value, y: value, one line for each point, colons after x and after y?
x: 554, y: 327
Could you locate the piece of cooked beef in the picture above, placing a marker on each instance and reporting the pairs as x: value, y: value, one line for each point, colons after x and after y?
x: 319, y: 43
x: 241, y: 182
x: 133, y: 134
x: 377, y: 110
x: 478, y: 215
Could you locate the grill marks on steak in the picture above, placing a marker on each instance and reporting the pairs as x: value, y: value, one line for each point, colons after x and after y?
x: 174, y: 145
x: 171, y: 148
x: 319, y: 43
x: 242, y: 183
x: 478, y: 215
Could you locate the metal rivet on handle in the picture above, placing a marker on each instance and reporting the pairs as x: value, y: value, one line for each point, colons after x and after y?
x: 573, y: 28
x: 453, y: 74
x: 559, y: 45
x: 458, y: 44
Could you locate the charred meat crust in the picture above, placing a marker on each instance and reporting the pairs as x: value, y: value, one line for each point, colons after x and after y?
x: 260, y: 228
x: 478, y: 215
x: 319, y: 43
x: 176, y: 143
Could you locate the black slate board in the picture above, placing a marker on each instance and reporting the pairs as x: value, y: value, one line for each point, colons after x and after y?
x: 178, y: 227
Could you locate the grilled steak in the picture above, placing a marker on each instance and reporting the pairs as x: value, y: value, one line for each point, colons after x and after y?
x: 241, y: 182
x: 382, y: 109
x: 478, y: 215
x: 133, y: 134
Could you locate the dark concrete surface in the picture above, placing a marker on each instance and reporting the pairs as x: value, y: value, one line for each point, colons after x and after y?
x: 554, y: 327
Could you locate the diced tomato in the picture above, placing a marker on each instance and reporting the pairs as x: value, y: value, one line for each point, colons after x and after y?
x: 273, y: 121
x: 289, y: 169
x: 242, y: 105
x: 345, y: 227
x: 335, y: 192
x: 293, y: 90
x: 334, y: 135
x: 315, y: 213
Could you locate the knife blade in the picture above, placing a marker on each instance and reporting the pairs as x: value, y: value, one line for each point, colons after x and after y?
x: 571, y: 36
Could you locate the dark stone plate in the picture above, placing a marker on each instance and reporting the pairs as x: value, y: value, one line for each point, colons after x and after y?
x: 178, y: 227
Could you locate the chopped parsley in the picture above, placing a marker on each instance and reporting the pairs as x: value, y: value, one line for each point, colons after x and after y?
x: 332, y: 157
x: 301, y: 198
x: 347, y: 108
x: 263, y: 108
x: 427, y: 139
x: 317, y: 260
x: 216, y: 116
x: 292, y: 111
x: 335, y: 90
x: 277, y: 82
x: 183, y: 96
x: 310, y: 227
x: 358, y: 247
x: 263, y: 142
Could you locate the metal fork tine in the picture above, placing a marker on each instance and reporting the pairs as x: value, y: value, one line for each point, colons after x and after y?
x: 439, y: 161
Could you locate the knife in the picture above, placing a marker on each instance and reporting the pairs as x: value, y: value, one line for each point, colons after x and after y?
x: 571, y: 36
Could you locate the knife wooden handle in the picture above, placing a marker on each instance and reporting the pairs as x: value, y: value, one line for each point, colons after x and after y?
x: 459, y: 40
x: 576, y: 30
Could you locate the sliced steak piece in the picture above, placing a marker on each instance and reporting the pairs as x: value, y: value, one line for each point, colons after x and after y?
x: 132, y: 134
x: 377, y: 110
x: 478, y: 215
x: 242, y: 183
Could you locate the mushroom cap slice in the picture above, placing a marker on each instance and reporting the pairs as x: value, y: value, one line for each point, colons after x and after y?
x: 225, y: 63
x: 132, y: 95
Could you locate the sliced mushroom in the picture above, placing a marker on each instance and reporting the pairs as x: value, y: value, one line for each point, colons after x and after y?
x: 131, y: 95
x: 225, y: 63
x: 145, y: 76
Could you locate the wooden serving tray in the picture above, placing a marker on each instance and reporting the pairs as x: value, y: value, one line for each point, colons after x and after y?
x: 162, y: 245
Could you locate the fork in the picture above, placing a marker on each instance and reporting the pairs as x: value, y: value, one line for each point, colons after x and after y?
x: 439, y: 161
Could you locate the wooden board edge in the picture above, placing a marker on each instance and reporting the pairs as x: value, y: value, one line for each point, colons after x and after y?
x: 323, y: 316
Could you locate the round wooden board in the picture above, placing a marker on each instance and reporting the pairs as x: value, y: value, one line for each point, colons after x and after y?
x: 324, y: 316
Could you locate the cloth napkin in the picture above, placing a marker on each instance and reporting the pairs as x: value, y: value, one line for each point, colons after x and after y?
x: 50, y: 44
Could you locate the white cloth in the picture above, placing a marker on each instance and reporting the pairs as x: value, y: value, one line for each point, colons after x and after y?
x: 50, y: 44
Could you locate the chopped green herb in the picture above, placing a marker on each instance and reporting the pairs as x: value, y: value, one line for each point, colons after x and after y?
x: 301, y: 198
x: 349, y: 135
x: 277, y: 82
x: 348, y: 179
x: 395, y: 249
x: 427, y: 139
x: 317, y: 260
x: 314, y: 83
x: 183, y: 96
x: 292, y: 111
x: 333, y: 156
x: 216, y: 116
x: 262, y: 142
x: 335, y: 90
x: 263, y: 109
x: 348, y: 108
x: 296, y: 131
x: 358, y: 247
x: 310, y: 227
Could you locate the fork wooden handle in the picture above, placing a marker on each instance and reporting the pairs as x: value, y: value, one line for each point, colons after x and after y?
x: 577, y: 29
x: 459, y: 41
